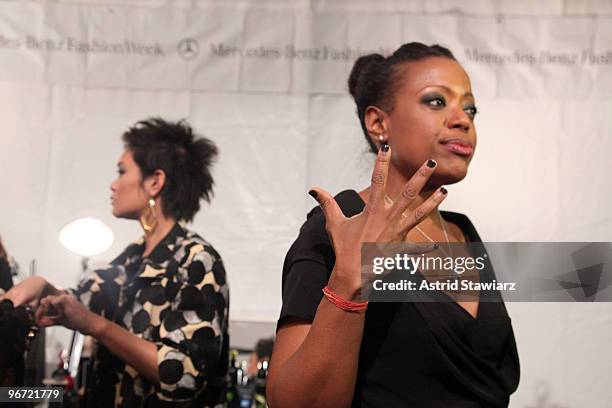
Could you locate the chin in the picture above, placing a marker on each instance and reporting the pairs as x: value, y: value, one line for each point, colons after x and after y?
x: 451, y: 175
x: 118, y: 213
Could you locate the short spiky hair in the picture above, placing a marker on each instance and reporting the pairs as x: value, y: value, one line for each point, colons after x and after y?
x: 186, y: 159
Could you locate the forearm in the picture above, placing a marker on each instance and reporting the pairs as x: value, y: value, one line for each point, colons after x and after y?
x: 131, y: 349
x: 31, y: 290
x: 323, y: 370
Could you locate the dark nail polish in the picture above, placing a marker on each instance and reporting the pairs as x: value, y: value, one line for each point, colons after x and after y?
x: 384, y: 147
x: 431, y: 163
x: 313, y: 194
x: 443, y: 190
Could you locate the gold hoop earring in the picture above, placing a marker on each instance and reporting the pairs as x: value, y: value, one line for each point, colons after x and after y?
x: 149, y: 221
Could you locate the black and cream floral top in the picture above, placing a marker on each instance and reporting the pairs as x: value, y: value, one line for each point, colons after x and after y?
x: 178, y: 298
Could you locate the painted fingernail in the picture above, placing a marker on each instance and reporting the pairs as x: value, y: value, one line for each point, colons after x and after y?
x: 431, y: 163
x: 313, y: 194
x: 443, y: 190
x: 384, y: 147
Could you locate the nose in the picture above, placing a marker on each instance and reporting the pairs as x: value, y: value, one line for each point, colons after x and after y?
x: 112, y: 186
x: 460, y: 120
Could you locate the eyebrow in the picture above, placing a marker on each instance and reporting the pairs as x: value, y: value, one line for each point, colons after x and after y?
x: 448, y: 89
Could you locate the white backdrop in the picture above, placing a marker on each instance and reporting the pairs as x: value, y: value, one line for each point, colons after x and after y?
x: 266, y: 81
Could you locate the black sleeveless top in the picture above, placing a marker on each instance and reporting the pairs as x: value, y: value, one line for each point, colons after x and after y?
x: 412, y: 354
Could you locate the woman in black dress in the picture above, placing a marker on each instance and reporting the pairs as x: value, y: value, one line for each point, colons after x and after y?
x: 417, y: 111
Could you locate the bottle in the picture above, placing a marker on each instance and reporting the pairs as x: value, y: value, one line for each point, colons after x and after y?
x: 233, y: 399
x: 246, y: 390
x: 260, y: 385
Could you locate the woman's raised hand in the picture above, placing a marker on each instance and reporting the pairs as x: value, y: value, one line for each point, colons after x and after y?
x: 380, y: 220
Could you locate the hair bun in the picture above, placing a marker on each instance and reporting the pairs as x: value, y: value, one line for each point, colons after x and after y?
x: 361, y: 65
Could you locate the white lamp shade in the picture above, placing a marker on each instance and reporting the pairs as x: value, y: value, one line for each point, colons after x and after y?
x: 86, y: 236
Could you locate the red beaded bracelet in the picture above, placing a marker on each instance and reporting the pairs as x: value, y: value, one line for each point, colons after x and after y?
x: 356, y: 307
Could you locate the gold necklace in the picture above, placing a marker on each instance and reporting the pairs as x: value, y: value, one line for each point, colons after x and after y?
x: 448, y: 245
x: 390, y: 201
x: 443, y: 230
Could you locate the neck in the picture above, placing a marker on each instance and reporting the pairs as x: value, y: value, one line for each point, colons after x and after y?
x: 154, y: 237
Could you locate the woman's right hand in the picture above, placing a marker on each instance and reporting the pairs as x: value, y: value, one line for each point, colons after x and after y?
x: 29, y: 291
x: 380, y: 221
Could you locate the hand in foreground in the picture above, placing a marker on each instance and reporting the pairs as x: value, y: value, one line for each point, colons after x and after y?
x: 67, y: 311
x: 380, y: 220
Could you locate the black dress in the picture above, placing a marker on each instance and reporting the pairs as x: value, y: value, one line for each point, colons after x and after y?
x: 412, y: 354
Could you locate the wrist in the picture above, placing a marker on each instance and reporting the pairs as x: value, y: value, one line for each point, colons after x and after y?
x: 345, y: 286
x: 97, y: 326
x: 46, y: 288
x: 344, y: 304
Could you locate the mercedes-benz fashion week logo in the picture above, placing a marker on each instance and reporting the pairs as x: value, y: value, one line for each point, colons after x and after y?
x: 188, y: 48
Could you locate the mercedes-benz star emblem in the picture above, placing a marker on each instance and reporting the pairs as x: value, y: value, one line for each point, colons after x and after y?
x: 188, y: 48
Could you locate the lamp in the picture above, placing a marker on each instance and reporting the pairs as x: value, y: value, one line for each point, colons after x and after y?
x: 86, y: 237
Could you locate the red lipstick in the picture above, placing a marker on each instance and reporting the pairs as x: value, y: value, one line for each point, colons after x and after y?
x: 458, y: 146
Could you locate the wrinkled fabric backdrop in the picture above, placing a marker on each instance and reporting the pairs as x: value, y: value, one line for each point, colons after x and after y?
x: 266, y: 80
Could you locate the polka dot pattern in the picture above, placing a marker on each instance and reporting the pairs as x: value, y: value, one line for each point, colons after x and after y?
x: 177, y: 298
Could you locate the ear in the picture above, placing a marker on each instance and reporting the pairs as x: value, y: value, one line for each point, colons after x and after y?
x: 377, y: 122
x: 155, y: 183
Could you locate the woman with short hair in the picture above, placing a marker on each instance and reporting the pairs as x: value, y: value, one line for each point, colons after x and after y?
x: 160, y: 310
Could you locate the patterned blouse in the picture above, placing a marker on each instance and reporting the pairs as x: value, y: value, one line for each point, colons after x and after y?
x: 178, y: 298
